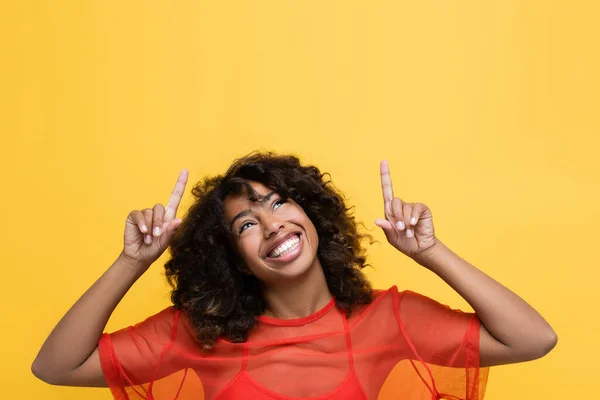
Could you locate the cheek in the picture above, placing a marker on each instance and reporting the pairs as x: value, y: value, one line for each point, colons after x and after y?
x: 310, y: 228
x: 314, y: 236
x: 248, y: 248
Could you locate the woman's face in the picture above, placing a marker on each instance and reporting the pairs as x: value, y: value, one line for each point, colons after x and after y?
x: 274, y: 236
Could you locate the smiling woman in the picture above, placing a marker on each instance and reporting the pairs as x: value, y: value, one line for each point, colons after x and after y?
x: 271, y: 233
x: 257, y: 205
x: 269, y: 302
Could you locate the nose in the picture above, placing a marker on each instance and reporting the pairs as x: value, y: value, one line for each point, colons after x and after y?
x: 272, y: 226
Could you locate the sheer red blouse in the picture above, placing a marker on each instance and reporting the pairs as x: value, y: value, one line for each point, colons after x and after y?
x: 401, y: 346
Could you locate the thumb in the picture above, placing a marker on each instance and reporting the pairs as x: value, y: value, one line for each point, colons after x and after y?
x: 387, y: 228
x: 384, y: 224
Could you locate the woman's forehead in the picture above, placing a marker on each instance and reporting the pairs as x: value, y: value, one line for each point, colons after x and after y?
x: 259, y: 192
x: 260, y: 189
x: 238, y: 202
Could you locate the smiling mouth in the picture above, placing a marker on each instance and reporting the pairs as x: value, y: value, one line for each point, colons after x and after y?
x: 287, y: 247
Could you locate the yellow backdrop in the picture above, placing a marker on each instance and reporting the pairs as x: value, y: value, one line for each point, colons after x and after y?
x: 488, y: 113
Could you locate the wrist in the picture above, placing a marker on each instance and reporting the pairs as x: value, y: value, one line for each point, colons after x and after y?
x: 131, y: 263
x: 429, y: 257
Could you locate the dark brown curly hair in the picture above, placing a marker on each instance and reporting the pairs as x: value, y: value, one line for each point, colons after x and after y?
x: 206, y: 271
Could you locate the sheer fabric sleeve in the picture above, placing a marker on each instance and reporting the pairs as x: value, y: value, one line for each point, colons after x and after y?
x: 134, y: 357
x: 444, y: 346
x: 161, y: 359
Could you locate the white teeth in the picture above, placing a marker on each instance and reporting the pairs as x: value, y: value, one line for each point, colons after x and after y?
x: 285, y: 247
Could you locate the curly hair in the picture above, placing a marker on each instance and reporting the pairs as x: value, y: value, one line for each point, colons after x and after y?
x: 206, y: 271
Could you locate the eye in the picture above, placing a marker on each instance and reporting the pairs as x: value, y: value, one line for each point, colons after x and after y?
x: 245, y: 225
x: 277, y: 203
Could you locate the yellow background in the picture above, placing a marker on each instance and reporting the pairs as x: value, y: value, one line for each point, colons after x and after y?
x: 487, y: 112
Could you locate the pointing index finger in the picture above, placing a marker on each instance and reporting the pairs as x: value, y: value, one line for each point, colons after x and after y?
x: 386, y: 188
x: 386, y: 182
x: 176, y: 195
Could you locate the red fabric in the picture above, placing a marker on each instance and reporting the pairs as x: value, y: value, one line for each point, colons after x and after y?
x: 401, y: 346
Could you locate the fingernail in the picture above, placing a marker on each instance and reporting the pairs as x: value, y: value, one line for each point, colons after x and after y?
x: 156, y: 231
x: 144, y: 228
x: 148, y: 239
x: 400, y: 225
x: 413, y: 220
x: 409, y: 233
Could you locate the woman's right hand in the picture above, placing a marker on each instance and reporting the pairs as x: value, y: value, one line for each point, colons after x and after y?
x: 149, y: 232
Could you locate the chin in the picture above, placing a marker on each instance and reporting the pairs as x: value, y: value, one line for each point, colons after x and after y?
x: 299, y: 269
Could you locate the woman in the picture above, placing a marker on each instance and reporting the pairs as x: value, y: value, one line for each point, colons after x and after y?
x: 270, y: 302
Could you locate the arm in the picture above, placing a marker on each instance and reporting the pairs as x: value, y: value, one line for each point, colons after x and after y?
x: 70, y: 354
x: 512, y: 331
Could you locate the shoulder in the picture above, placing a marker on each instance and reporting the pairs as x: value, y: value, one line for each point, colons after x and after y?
x: 160, y: 325
x: 383, y: 303
x: 170, y: 326
x: 166, y: 318
x: 392, y: 299
x: 154, y: 331
x: 394, y: 295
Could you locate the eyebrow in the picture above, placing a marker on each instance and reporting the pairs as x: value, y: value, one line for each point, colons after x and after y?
x: 261, y: 199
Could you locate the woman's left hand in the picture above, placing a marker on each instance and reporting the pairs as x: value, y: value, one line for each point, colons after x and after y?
x: 407, y: 226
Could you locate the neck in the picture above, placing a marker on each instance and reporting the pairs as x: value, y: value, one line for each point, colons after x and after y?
x: 298, y: 298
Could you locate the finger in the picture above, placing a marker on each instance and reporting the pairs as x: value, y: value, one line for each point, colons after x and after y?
x: 391, y: 233
x: 397, y: 213
x: 407, y: 212
x: 138, y: 218
x: 169, y: 229
x: 176, y: 195
x: 384, y: 224
x: 416, y: 213
x: 158, y: 213
x: 386, y: 187
x: 148, y: 218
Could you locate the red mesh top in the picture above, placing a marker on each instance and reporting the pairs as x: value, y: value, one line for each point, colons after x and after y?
x: 401, y: 346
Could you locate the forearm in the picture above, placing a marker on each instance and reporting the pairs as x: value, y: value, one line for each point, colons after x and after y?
x: 76, y: 335
x: 507, y: 317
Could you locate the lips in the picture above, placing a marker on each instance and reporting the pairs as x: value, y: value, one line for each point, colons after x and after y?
x: 279, y: 241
